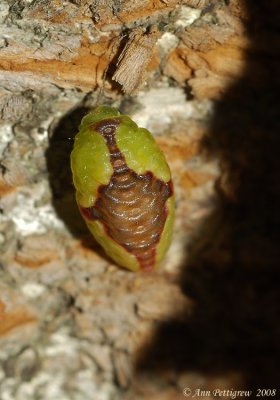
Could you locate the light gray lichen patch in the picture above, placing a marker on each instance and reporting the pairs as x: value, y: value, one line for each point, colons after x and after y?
x: 186, y: 16
x: 6, y: 137
x: 167, y: 42
x: 67, y: 371
x: 4, y: 10
x: 160, y: 107
x: 28, y: 217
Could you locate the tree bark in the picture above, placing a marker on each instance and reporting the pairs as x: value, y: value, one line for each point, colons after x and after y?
x: 72, y: 324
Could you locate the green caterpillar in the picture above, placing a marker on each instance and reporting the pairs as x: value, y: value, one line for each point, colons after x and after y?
x: 124, y: 188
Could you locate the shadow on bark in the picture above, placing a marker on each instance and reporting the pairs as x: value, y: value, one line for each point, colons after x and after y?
x: 233, y: 267
x: 60, y: 176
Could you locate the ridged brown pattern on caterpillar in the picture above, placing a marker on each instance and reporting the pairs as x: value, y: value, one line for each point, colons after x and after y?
x: 123, y: 188
x: 131, y: 207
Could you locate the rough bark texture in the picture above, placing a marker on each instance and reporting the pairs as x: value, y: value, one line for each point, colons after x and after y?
x: 72, y: 324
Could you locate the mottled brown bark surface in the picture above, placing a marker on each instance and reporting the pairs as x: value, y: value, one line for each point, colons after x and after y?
x: 75, y: 326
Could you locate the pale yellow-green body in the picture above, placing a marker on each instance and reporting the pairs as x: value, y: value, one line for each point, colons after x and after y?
x: 92, y: 168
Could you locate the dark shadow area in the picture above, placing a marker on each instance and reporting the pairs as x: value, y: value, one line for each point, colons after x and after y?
x: 233, y: 272
x: 60, y: 177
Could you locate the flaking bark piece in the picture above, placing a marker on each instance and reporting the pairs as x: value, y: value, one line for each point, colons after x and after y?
x: 134, y: 59
x: 197, y: 3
